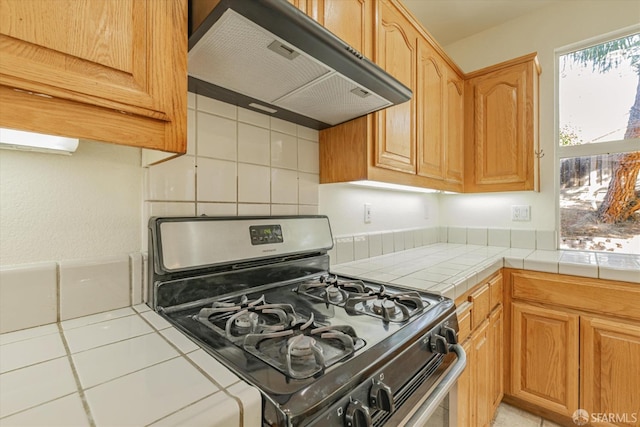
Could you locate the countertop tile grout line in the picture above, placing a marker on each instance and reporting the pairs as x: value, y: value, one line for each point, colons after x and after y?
x: 76, y: 378
x: 202, y: 371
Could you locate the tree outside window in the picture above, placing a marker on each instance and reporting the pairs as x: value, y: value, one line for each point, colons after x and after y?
x: 599, y: 146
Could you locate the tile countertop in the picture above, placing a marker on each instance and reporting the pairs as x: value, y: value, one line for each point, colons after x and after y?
x: 131, y: 367
x: 126, y: 367
x: 451, y: 269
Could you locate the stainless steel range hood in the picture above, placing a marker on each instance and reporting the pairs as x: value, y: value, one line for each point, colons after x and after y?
x: 268, y: 56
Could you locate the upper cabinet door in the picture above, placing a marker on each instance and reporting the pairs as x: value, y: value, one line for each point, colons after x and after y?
x: 431, y: 96
x: 126, y: 56
x: 396, y: 54
x: 454, y: 154
x: 502, y: 120
x: 351, y: 20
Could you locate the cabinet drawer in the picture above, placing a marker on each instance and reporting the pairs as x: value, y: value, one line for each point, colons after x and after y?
x: 605, y: 297
x: 481, y: 307
x: 464, y: 320
x: 495, y: 292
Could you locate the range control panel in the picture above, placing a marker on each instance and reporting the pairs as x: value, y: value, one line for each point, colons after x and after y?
x: 265, y: 234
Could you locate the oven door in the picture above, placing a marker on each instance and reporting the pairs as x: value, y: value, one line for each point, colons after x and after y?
x: 430, y: 407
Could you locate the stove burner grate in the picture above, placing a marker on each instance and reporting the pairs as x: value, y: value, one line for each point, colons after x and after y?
x: 298, y: 347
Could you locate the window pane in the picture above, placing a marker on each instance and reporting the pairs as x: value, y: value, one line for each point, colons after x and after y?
x: 597, y: 199
x: 597, y: 88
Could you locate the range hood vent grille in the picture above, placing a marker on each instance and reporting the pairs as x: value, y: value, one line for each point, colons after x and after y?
x: 313, y: 78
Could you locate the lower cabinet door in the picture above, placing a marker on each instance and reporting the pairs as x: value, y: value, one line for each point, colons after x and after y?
x: 544, y: 357
x: 610, y: 375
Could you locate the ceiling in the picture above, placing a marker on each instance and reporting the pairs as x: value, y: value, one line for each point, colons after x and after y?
x: 451, y: 20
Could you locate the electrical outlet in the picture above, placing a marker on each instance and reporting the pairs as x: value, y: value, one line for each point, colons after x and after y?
x: 520, y: 213
x: 367, y: 213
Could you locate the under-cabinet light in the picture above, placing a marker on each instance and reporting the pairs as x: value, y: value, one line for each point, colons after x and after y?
x: 31, y: 141
x: 388, y: 186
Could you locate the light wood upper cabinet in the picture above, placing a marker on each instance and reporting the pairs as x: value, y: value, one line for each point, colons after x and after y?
x: 351, y: 20
x: 396, y: 54
x: 544, y: 357
x: 501, y: 127
x: 440, y: 110
x: 610, y: 372
x: 454, y: 146
x: 431, y: 94
x: 113, y: 70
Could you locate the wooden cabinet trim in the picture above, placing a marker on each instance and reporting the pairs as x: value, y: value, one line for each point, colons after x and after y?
x: 604, y: 297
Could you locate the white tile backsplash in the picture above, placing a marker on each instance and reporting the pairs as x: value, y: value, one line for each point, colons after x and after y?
x: 93, y: 286
x: 284, y: 209
x: 398, y: 241
x: 216, y: 107
x: 284, y: 151
x: 523, y: 239
x: 173, y: 180
x: 361, y: 247
x: 283, y: 126
x: 308, y: 133
x: 499, y: 237
x: 387, y: 242
x: 253, y: 144
x: 253, y: 118
x: 253, y: 183
x: 546, y: 240
x: 284, y: 186
x: 477, y: 236
x: 33, y: 286
x: 457, y: 235
x: 375, y: 244
x: 308, y: 156
x: 253, y: 209
x: 217, y: 180
x: 217, y: 209
x: 217, y: 137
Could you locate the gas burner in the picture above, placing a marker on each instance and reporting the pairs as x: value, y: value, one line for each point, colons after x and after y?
x: 235, y: 320
x: 389, y: 307
x: 305, y: 349
x: 332, y: 290
x: 384, y: 307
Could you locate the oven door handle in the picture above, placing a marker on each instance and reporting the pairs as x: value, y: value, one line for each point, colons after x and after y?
x: 428, y: 407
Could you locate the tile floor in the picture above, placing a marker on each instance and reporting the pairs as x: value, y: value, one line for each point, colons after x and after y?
x: 509, y: 416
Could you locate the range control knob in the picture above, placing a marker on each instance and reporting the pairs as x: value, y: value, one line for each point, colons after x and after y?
x: 439, y: 344
x: 380, y: 397
x: 357, y: 415
x: 449, y: 334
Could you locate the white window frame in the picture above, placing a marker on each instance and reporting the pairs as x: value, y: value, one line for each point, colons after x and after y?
x: 583, y: 150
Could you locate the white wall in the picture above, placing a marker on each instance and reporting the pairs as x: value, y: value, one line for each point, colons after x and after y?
x: 55, y: 207
x: 545, y: 30
x: 391, y: 210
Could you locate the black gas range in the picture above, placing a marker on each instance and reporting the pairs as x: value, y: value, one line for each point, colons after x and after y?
x: 324, y: 350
